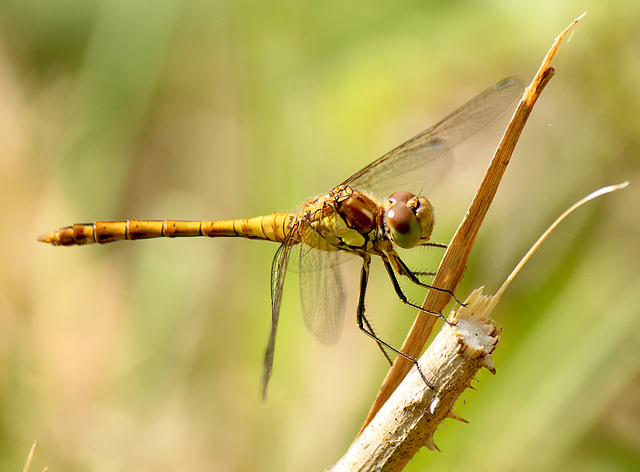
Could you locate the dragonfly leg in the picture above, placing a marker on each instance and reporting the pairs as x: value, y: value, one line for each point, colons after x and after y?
x: 438, y: 245
x: 362, y: 321
x: 382, y: 349
x: 423, y: 273
x: 412, y: 276
x: 364, y: 318
x: 402, y: 296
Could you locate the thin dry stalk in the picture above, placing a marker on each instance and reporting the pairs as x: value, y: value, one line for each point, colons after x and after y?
x: 32, y: 452
x: 454, y: 262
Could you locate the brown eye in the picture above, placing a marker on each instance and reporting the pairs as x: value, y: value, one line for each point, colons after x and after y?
x: 403, y: 225
x: 401, y: 197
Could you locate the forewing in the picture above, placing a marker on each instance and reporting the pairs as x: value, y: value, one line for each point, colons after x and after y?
x: 419, y: 164
x: 322, y: 292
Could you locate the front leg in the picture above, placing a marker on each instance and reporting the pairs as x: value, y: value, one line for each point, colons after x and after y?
x: 424, y: 273
x: 404, y: 270
x: 438, y: 245
x: 400, y: 293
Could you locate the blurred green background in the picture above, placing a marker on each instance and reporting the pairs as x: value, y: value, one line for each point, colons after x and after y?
x: 148, y: 355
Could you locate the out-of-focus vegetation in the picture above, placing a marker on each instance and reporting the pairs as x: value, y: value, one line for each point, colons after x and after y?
x: 147, y: 355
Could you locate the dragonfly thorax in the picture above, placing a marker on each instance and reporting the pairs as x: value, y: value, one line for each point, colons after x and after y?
x: 344, y: 219
x: 408, y: 219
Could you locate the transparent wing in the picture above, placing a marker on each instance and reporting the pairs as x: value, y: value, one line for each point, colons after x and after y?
x: 419, y: 164
x: 278, y: 272
x: 322, y: 292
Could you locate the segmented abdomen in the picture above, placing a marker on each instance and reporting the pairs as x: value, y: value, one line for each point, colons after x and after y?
x: 274, y: 227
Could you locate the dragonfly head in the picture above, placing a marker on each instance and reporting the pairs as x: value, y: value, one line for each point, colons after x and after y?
x: 408, y: 219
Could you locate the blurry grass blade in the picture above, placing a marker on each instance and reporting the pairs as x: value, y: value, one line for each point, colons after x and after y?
x: 554, y: 225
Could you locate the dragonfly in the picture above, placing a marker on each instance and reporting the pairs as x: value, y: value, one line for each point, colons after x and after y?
x: 370, y: 214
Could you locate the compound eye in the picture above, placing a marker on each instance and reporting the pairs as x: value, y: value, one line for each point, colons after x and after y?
x: 401, y: 197
x: 403, y: 225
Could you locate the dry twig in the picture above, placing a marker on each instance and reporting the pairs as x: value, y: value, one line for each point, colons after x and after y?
x: 455, y: 259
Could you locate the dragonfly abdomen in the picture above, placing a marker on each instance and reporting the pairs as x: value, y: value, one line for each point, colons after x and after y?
x: 272, y: 227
